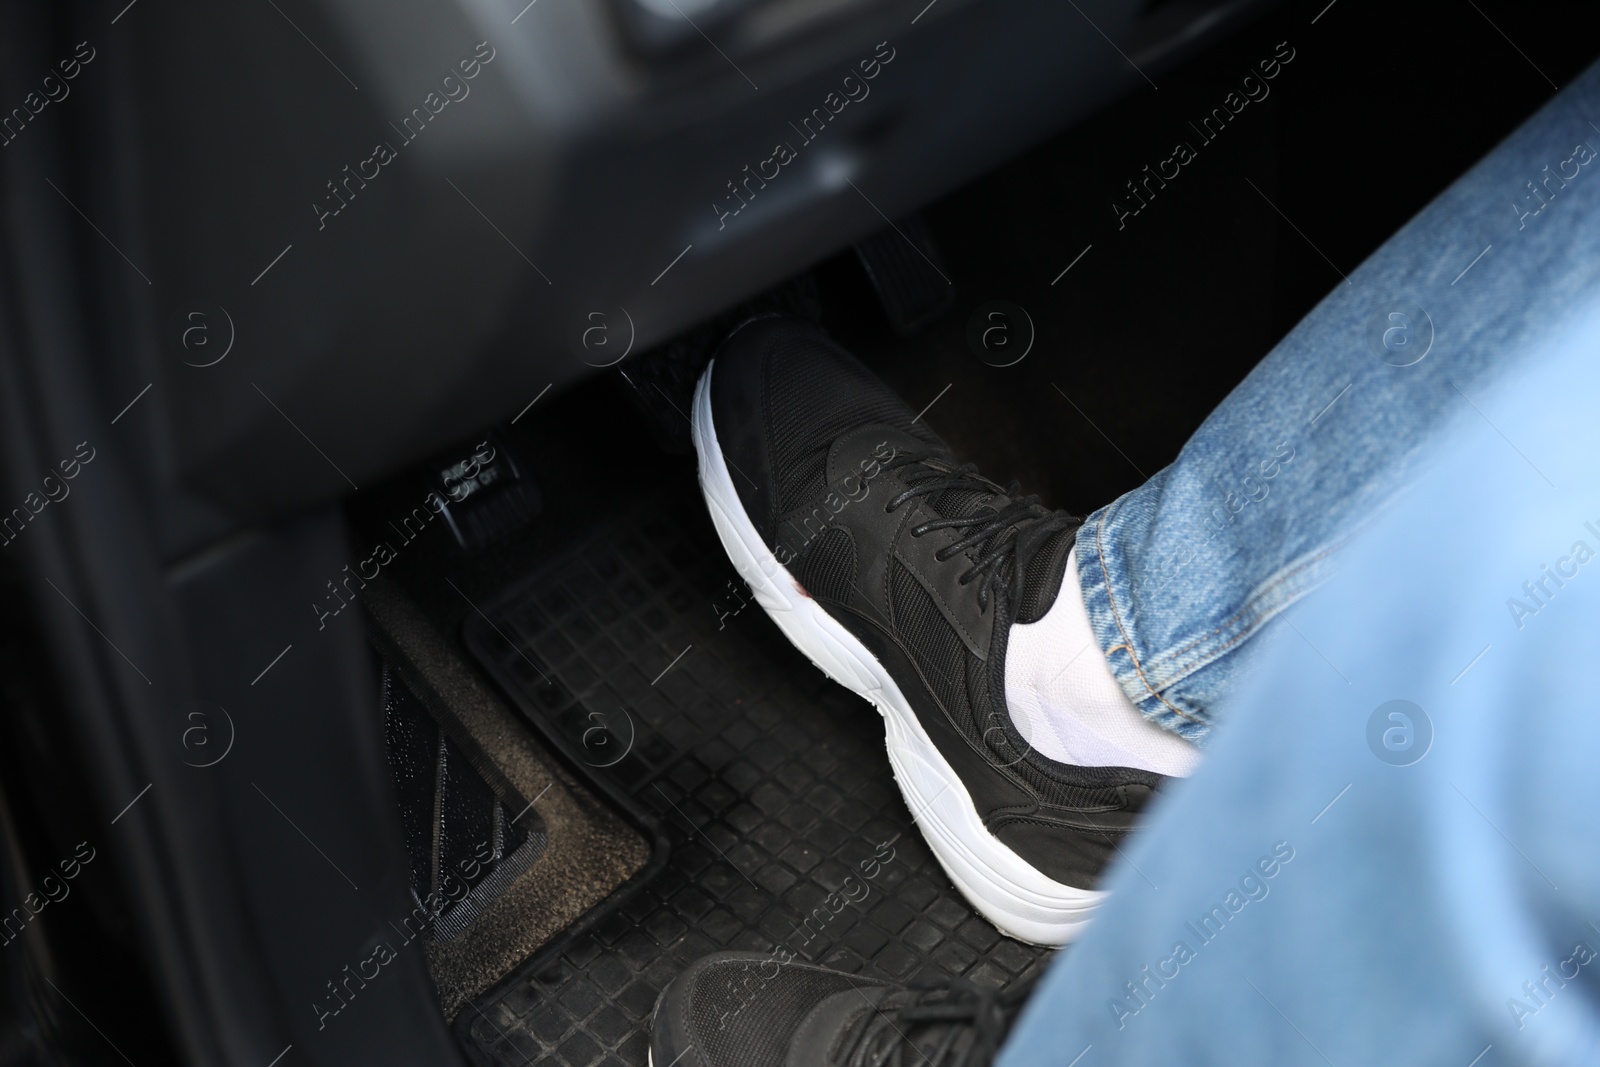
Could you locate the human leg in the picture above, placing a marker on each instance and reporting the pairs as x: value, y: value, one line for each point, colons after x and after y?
x: 1388, y: 855
x: 1178, y: 576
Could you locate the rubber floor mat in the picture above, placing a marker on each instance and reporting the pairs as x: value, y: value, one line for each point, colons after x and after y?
x: 643, y: 656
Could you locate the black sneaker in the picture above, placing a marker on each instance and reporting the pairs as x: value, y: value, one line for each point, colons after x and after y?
x: 742, y: 1009
x: 899, y: 572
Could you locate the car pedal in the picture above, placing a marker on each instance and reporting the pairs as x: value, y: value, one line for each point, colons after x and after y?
x: 908, y: 273
x: 661, y: 380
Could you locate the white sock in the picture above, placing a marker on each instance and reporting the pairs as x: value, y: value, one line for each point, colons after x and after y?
x: 1064, y: 700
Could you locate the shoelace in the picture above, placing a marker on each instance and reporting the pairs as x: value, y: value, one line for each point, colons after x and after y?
x: 934, y: 1023
x: 1007, y: 537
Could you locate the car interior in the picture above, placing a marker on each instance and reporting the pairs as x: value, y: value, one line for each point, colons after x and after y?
x: 382, y: 585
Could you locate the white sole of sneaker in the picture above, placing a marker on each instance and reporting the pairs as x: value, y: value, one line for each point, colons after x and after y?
x: 1007, y: 890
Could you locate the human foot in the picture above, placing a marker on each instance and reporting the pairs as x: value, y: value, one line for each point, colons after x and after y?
x: 900, y: 573
x: 742, y: 1009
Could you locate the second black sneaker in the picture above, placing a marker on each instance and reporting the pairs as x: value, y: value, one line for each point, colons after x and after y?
x: 743, y: 1009
x: 900, y: 572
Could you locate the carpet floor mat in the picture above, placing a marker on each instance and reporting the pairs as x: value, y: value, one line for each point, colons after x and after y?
x: 642, y: 656
x: 558, y: 850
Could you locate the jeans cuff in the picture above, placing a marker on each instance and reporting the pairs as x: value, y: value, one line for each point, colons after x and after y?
x: 1105, y: 586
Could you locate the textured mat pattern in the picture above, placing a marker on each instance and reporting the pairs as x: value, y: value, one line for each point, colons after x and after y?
x: 787, y: 832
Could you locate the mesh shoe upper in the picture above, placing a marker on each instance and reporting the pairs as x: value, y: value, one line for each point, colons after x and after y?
x: 740, y: 1009
x: 743, y: 1009
x: 926, y: 562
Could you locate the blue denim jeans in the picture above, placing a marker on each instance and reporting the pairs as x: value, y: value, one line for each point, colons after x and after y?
x: 1180, y: 575
x: 1390, y: 854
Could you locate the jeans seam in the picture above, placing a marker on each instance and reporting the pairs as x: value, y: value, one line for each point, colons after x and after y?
x: 1116, y: 617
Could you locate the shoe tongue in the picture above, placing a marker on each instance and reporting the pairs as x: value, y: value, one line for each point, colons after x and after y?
x: 830, y: 1030
x: 831, y: 1024
x: 1042, y: 559
x: 1042, y: 571
x: 950, y: 503
x: 962, y: 501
